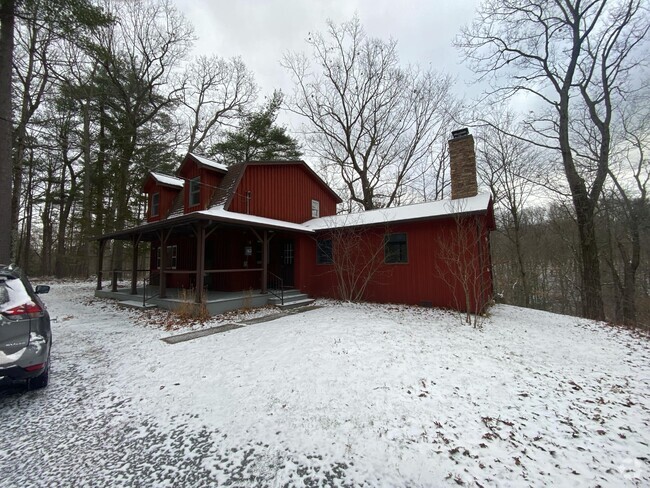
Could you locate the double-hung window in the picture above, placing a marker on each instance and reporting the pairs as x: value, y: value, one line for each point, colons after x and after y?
x: 195, y: 191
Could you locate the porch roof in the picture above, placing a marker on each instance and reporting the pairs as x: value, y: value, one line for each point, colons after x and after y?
x: 218, y: 214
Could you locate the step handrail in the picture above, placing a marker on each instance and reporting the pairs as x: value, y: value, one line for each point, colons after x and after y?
x: 276, y: 280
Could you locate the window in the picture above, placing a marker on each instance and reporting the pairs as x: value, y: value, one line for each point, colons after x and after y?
x: 395, y: 249
x: 172, y: 257
x: 195, y: 191
x: 155, y: 204
x: 324, y: 251
x: 315, y: 209
x: 287, y: 253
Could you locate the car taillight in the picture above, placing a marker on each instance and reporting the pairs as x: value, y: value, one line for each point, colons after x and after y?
x: 24, y: 311
x: 34, y: 367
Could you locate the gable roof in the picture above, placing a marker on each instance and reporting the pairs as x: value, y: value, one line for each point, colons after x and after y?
x: 419, y: 211
x: 166, y: 180
x: 202, y: 161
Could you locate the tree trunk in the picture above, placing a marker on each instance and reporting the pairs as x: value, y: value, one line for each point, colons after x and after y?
x: 631, y: 265
x: 591, y: 295
x: 592, y: 301
x: 46, y: 252
x: 86, y: 214
x: 29, y: 214
x: 7, y: 8
x: 65, y: 204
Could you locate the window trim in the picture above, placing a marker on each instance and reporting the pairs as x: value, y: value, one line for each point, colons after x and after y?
x: 155, y: 204
x: 387, y: 253
x: 196, y: 192
x: 321, y: 251
x: 315, y: 208
x: 172, y: 256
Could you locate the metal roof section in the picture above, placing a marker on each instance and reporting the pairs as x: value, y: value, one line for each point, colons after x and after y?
x: 167, y: 180
x: 215, y: 214
x: 219, y: 214
x: 419, y: 211
x: 208, y: 162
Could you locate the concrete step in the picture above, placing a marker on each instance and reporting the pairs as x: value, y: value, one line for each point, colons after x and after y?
x: 136, y: 304
x: 293, y: 296
x: 303, y: 302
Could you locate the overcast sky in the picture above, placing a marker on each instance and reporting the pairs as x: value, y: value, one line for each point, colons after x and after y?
x: 261, y: 31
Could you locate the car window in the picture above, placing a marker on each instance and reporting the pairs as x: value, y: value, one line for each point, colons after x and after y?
x: 12, y: 293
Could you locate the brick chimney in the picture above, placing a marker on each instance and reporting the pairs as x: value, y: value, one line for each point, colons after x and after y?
x: 463, y: 164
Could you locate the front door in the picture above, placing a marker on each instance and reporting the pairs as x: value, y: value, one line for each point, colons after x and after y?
x: 286, y: 260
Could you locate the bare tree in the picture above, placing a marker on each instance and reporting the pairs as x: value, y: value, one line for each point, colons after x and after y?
x: 628, y: 199
x: 506, y: 166
x: 216, y: 92
x: 463, y: 265
x: 357, y: 257
x: 139, y: 56
x: 372, y: 121
x: 33, y: 76
x: 575, y: 61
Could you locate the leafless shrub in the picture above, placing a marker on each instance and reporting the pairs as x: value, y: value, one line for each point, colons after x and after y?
x: 463, y: 265
x: 189, y: 310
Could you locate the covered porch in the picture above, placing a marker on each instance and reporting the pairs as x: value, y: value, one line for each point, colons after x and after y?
x: 216, y: 302
x: 225, y: 261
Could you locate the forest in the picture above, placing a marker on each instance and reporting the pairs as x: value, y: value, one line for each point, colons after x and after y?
x: 94, y: 94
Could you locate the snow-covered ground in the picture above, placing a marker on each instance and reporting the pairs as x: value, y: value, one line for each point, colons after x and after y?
x: 345, y: 395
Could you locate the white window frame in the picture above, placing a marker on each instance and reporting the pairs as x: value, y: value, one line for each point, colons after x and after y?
x: 315, y: 209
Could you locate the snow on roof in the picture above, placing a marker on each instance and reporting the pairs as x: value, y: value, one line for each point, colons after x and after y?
x: 438, y: 208
x: 209, y: 162
x: 167, y: 180
x: 225, y: 215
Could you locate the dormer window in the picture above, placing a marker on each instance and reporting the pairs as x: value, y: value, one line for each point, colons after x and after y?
x: 195, y: 191
x: 155, y: 204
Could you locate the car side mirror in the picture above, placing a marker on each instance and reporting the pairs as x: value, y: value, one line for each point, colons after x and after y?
x: 41, y: 289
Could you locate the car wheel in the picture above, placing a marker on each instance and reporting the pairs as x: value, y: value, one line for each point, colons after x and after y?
x: 40, y: 381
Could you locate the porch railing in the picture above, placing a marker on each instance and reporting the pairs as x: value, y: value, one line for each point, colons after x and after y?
x: 126, y: 275
x: 276, y: 287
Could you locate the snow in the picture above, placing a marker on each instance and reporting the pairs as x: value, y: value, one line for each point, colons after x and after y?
x: 209, y: 162
x: 438, y: 208
x: 16, y: 295
x: 343, y: 395
x: 167, y: 180
x: 226, y: 216
x: 11, y: 358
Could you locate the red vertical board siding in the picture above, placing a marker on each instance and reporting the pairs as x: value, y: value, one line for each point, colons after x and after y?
x: 167, y: 196
x: 425, y: 278
x: 209, y: 179
x: 281, y: 191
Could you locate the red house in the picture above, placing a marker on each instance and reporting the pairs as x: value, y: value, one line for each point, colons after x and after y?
x: 239, y: 232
